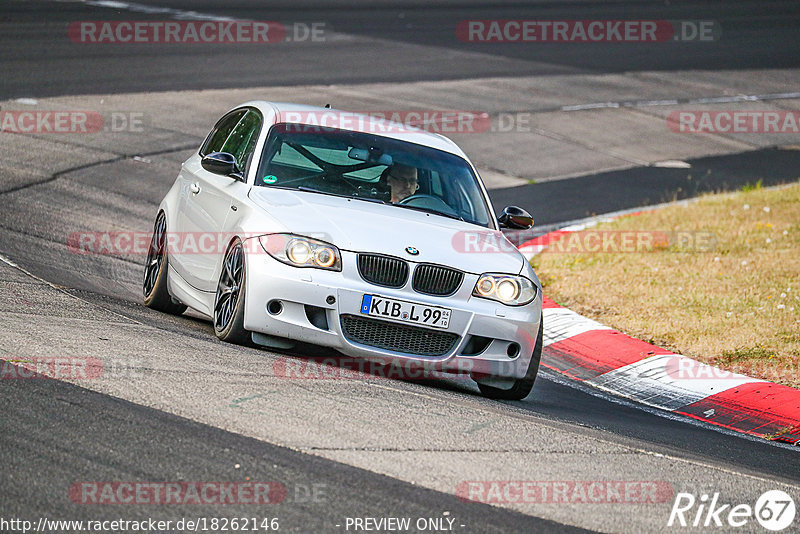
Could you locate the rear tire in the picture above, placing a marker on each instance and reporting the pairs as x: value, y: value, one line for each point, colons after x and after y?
x: 521, y: 387
x: 154, y: 286
x: 229, y: 302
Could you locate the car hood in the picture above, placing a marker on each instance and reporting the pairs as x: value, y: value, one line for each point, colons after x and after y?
x: 361, y: 226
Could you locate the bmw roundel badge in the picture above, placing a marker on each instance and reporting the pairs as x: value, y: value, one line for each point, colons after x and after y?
x: 413, y: 251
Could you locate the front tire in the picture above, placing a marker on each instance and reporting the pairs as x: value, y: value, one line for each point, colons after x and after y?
x: 229, y: 302
x: 521, y: 387
x: 154, y: 286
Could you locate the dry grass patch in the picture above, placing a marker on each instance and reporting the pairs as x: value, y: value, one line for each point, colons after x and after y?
x: 717, y: 280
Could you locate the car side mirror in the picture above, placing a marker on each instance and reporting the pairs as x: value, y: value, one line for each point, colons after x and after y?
x: 223, y: 164
x: 515, y: 218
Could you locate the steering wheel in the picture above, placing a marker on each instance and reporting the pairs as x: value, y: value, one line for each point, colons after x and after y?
x: 428, y: 202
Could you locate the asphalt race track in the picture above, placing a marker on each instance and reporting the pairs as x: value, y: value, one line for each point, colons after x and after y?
x: 36, y: 57
x: 186, y: 407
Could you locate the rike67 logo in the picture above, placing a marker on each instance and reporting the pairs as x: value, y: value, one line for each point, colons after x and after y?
x: 774, y: 510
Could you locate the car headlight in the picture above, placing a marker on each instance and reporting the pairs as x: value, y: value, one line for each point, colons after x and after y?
x: 299, y: 251
x: 506, y: 288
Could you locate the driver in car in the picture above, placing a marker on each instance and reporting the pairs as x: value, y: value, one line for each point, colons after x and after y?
x: 403, y: 181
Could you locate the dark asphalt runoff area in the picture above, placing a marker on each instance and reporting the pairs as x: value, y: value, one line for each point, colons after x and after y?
x: 53, y: 433
x: 643, y: 186
x: 37, y: 62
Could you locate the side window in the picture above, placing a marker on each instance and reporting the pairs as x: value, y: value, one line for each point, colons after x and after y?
x: 242, y: 140
x: 223, y: 128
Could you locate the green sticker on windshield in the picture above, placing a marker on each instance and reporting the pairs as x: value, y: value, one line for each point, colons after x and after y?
x: 270, y: 179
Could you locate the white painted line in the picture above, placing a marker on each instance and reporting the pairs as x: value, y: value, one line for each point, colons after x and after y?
x: 579, y: 227
x: 674, y: 102
x: 672, y: 164
x: 596, y: 105
x: 725, y: 99
x: 177, y: 14
x: 644, y: 103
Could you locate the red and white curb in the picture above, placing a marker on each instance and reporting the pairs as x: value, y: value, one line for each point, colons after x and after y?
x: 589, y: 352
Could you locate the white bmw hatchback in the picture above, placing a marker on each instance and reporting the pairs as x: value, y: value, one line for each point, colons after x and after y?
x: 297, y: 223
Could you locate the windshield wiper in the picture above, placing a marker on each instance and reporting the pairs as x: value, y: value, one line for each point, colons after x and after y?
x: 426, y: 210
x: 312, y: 190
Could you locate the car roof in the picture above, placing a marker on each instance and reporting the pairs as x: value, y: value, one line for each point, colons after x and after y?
x: 359, y: 122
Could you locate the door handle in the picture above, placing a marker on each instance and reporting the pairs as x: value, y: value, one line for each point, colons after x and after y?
x: 194, y: 188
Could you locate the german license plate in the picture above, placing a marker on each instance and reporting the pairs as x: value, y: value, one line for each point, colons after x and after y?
x: 407, y: 312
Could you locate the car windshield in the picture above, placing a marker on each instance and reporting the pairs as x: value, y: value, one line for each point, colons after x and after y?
x: 373, y: 168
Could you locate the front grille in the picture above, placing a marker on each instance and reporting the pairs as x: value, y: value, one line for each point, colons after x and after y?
x: 383, y: 270
x: 436, y: 280
x: 396, y: 337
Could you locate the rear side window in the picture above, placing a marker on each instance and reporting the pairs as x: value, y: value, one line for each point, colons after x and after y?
x: 216, y: 139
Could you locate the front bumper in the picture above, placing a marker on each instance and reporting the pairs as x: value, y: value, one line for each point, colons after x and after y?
x: 492, y: 339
